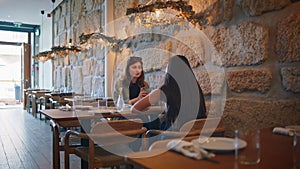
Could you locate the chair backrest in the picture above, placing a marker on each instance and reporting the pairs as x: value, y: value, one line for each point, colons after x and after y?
x: 203, y: 125
x: 117, y: 131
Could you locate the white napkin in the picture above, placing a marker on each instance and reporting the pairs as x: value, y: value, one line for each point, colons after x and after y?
x: 189, y: 150
x: 283, y: 131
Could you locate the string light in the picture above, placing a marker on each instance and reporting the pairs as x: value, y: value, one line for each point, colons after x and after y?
x: 184, y: 11
x: 150, y: 14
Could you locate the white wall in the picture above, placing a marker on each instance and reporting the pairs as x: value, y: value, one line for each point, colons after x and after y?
x: 45, y: 69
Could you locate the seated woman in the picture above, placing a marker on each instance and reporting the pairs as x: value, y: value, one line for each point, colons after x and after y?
x: 133, y: 85
x: 181, y: 93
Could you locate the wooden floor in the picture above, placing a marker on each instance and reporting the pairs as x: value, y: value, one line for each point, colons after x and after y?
x: 26, y: 142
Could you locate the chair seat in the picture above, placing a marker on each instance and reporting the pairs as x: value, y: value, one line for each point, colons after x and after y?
x: 102, y: 157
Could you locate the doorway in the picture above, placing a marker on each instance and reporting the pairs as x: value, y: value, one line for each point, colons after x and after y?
x: 11, y: 66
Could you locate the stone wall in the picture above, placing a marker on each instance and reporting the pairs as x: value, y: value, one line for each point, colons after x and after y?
x: 85, y: 73
x: 246, y: 57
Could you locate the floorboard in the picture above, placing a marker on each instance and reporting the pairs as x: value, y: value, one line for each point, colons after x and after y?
x: 26, y: 142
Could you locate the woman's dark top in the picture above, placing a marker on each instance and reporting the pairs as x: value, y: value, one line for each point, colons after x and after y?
x: 134, y: 90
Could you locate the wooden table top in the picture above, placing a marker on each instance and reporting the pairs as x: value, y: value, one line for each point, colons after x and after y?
x: 276, y: 152
x: 40, y: 93
x: 59, y: 115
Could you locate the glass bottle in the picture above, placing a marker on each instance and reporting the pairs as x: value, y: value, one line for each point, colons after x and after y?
x: 120, y: 102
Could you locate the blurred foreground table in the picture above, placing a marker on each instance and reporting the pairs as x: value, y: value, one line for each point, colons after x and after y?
x: 276, y: 153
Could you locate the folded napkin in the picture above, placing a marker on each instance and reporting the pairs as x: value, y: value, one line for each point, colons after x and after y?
x: 283, y: 131
x: 189, y: 150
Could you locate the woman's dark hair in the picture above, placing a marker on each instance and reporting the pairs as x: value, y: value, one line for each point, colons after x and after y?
x: 127, y: 78
x: 172, y: 91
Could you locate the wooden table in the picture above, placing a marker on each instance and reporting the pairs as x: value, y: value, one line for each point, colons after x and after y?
x: 58, y: 99
x: 276, y: 153
x: 68, y: 119
x: 26, y: 93
x: 72, y: 119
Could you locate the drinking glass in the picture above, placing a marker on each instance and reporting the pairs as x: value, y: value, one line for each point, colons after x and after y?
x: 101, y: 103
x: 251, y: 153
x: 77, y: 102
x: 296, y: 150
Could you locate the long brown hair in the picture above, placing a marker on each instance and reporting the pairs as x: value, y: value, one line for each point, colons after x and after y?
x: 127, y: 78
x: 173, y: 94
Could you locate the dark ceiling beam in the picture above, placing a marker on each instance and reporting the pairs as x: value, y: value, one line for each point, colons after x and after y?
x: 18, y: 27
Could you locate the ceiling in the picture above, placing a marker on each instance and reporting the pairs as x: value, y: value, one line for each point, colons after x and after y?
x: 25, y: 11
x: 21, y: 12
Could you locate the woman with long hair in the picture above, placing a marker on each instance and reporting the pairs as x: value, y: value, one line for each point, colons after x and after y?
x: 133, y: 85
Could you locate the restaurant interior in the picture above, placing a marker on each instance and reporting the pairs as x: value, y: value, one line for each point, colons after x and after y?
x: 243, y: 54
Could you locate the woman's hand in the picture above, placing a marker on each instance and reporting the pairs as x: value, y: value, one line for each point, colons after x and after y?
x: 152, y: 98
x: 142, y: 94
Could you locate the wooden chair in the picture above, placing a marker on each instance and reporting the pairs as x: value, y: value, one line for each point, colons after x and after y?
x: 104, y: 135
x: 58, y: 100
x: 207, y: 126
x: 58, y: 144
x: 28, y: 101
x: 34, y: 105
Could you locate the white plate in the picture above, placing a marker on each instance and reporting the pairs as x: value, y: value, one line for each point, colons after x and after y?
x: 294, y: 127
x: 219, y: 143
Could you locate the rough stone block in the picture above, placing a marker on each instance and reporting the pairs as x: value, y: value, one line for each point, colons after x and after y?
x: 287, y: 39
x: 249, y: 79
x: 258, y: 7
x: 89, y: 5
x: 83, y: 26
x: 56, y: 41
x: 99, y: 68
x: 66, y: 60
x: 210, y: 82
x: 155, y: 79
x: 98, y: 86
x: 69, y: 79
x: 242, y: 44
x: 255, y: 113
x: 228, y: 9
x: 87, y: 67
x: 155, y: 57
x: 210, y: 108
x: 65, y: 74
x: 77, y: 80
x: 56, y: 15
x: 62, y: 39
x: 120, y: 7
x: 77, y: 9
x: 87, y: 85
x: 68, y: 22
x: 191, y: 46
x: 99, y: 51
x: 93, y: 21
x: 57, y: 76
x: 213, y: 11
x: 291, y: 78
